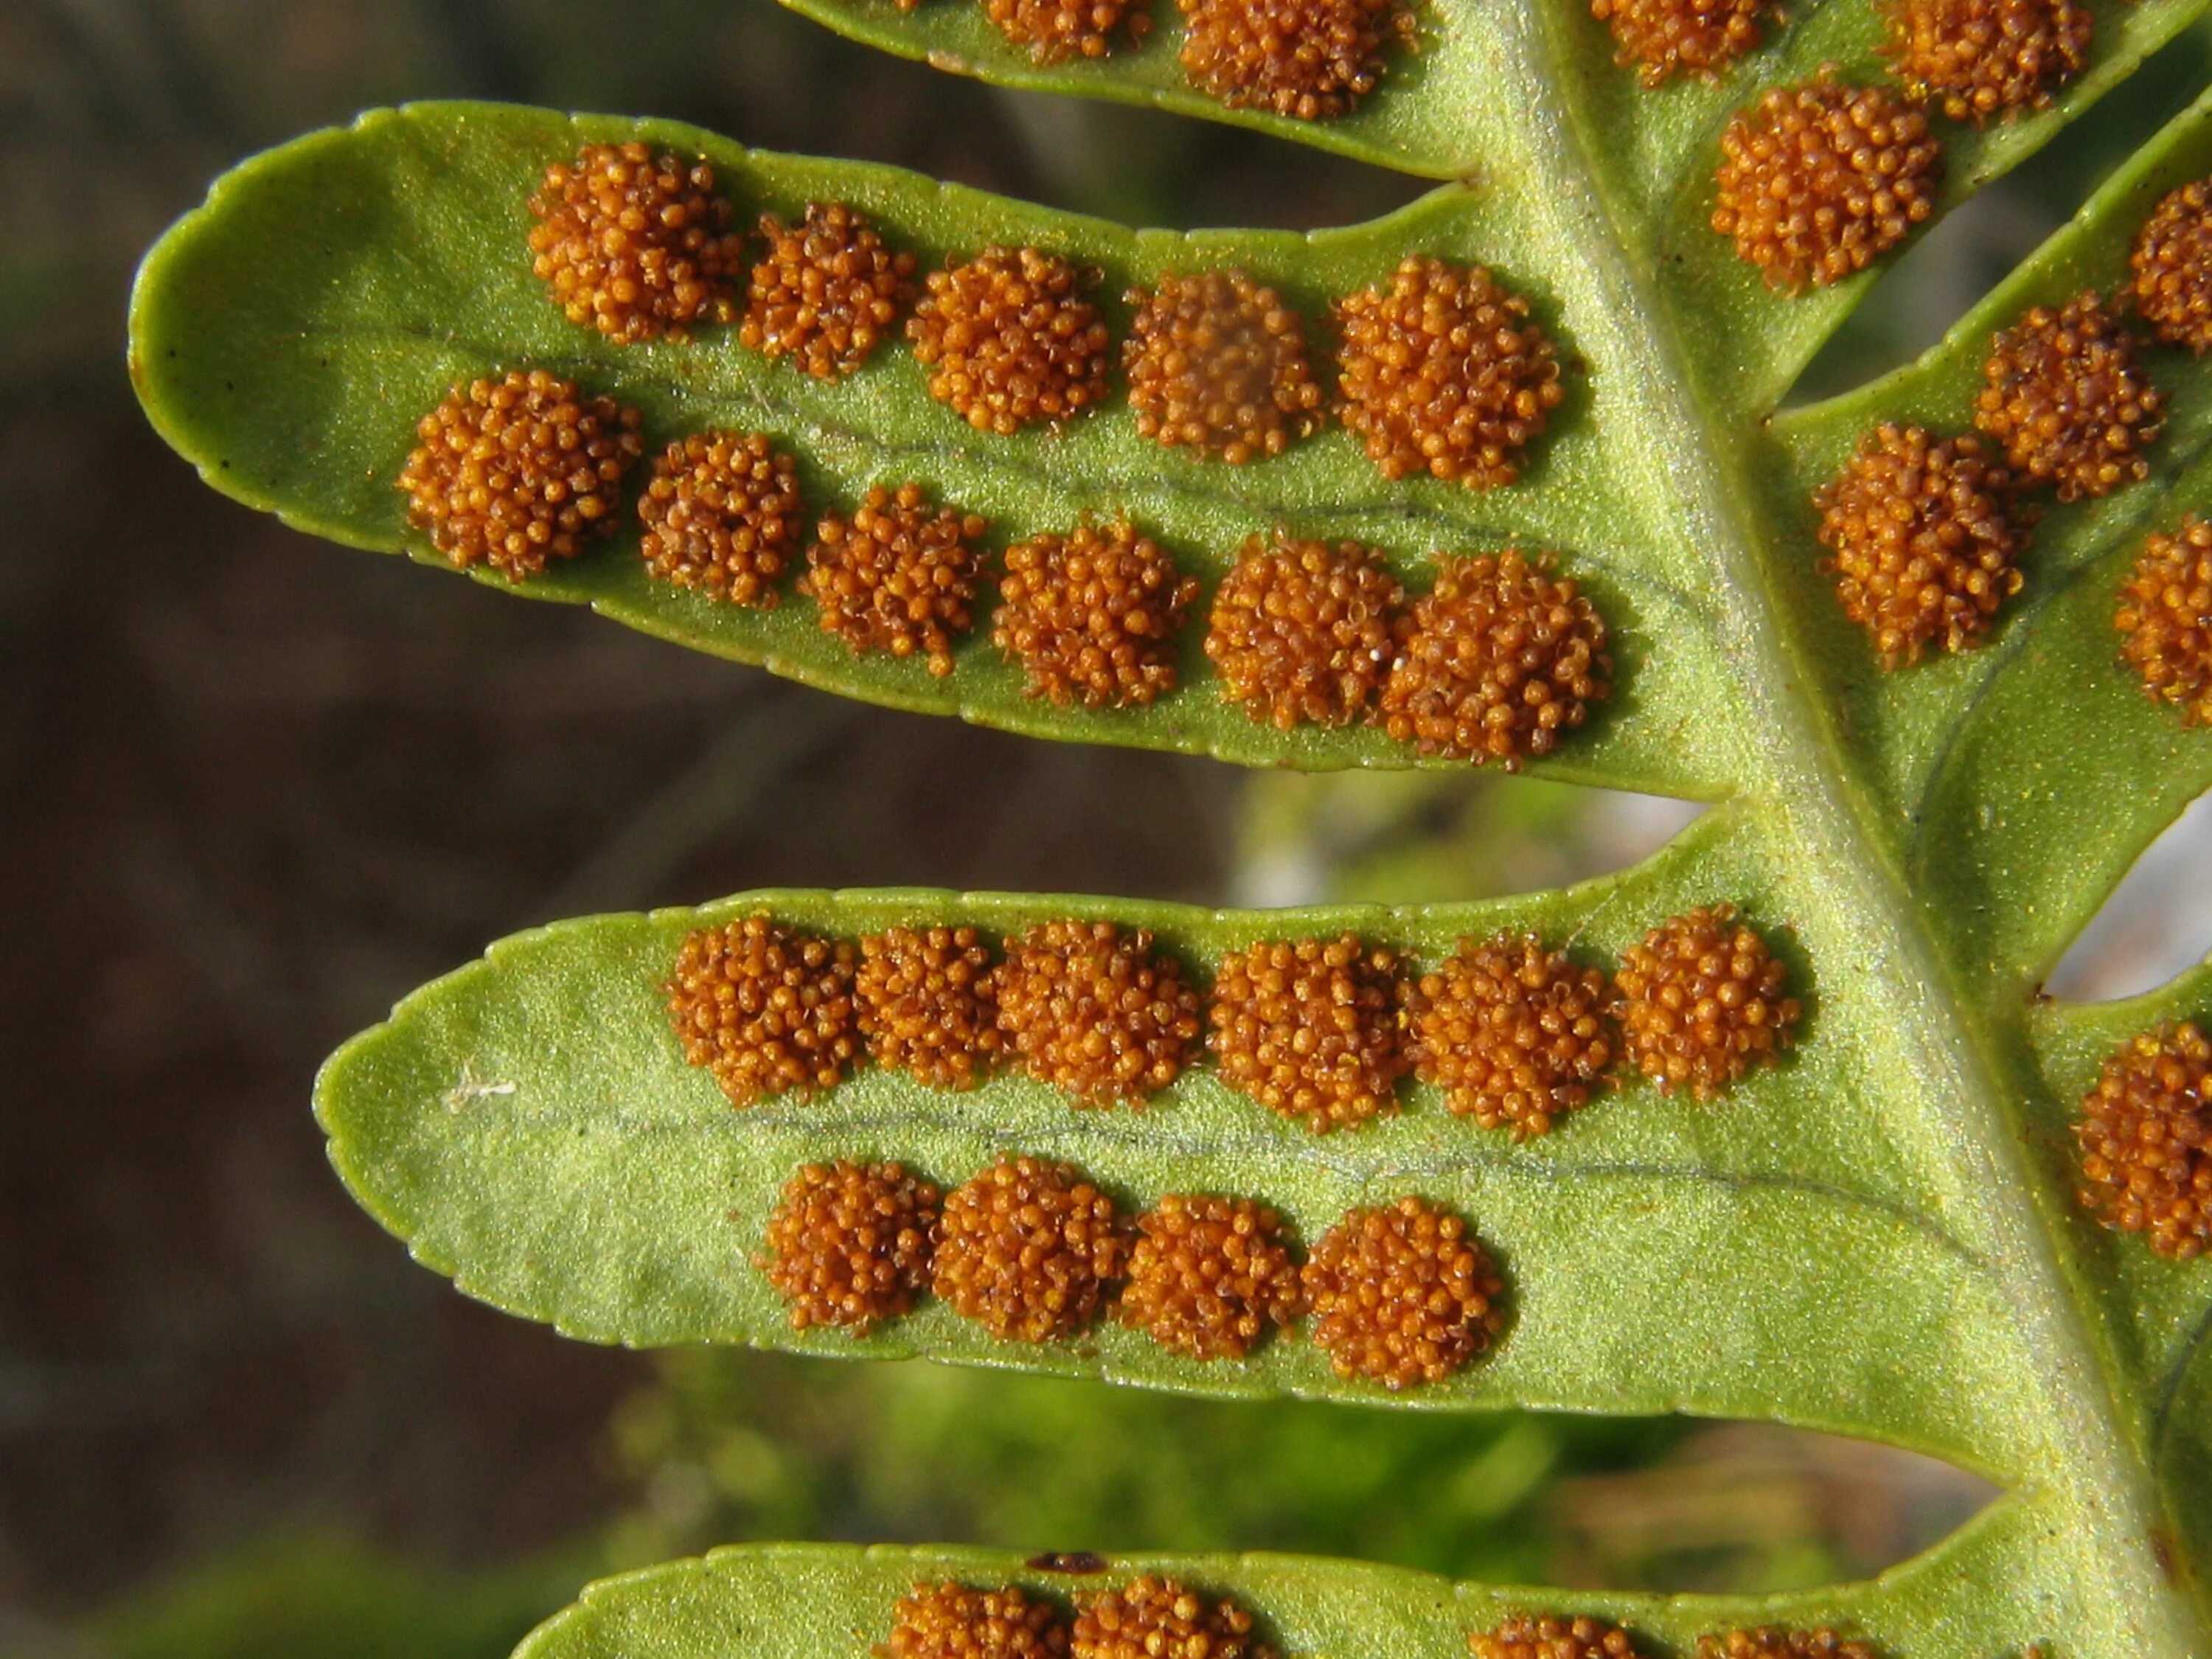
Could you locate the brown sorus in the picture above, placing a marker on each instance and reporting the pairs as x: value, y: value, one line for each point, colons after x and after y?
x: 2165, y: 617
x: 1311, y: 1029
x: 2063, y: 394
x: 900, y: 575
x: 1402, y: 1295
x: 1217, y: 363
x: 1091, y: 616
x: 2173, y: 263
x: 827, y: 290
x: 1819, y: 181
x: 1303, y: 633
x: 1027, y: 1250
x: 1309, y: 59
x: 519, y: 470
x: 1979, y: 58
x: 1925, y: 536
x: 1208, y: 1276
x: 1545, y: 1635
x: 1054, y: 30
x: 1152, y: 1618
x: 928, y: 1004
x: 765, y: 1008
x: 1495, y: 661
x: 1095, y: 1012
x: 1443, y: 373
x: 722, y: 516
x: 1769, y: 1642
x: 954, y: 1621
x: 1517, y: 1036
x: 2146, y: 1135
x: 1009, y: 339
x: 849, y: 1243
x: 1700, y: 1002
x: 1696, y: 37
x: 636, y: 245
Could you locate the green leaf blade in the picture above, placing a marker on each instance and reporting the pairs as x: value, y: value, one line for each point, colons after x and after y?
x: 1975, y: 1594
x: 529, y: 1127
x: 2032, y: 771
x: 405, y: 273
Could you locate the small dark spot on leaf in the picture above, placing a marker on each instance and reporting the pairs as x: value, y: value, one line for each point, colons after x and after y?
x: 230, y: 385
x: 1074, y: 1561
x: 2162, y: 1551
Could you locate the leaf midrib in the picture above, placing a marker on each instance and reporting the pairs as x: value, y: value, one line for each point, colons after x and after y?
x: 2002, y: 1205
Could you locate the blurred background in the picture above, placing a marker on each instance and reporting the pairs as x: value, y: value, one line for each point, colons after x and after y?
x: 254, y: 787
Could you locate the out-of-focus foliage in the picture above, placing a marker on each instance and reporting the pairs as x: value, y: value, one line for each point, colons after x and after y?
x: 751, y: 1446
x: 332, y: 1597
x: 748, y: 1445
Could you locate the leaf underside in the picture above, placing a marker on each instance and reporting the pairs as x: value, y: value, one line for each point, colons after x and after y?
x: 1876, y: 1237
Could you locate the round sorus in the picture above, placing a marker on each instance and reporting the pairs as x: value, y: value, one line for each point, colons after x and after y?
x: 1979, y: 58
x: 1309, y: 59
x: 1154, y: 1618
x: 1924, y: 534
x: 764, y: 1008
x: 1208, y: 1276
x: 1217, y: 363
x: 1700, y: 1002
x: 1443, y: 373
x: 515, y: 471
x: 2165, y: 617
x: 1495, y: 661
x: 2063, y: 395
x: 1026, y: 1250
x: 849, y: 1243
x: 928, y: 1004
x: 1697, y: 37
x: 722, y: 516
x: 1819, y: 181
x: 1054, y: 30
x: 1547, y: 1636
x: 1402, y: 1295
x: 1008, y: 339
x: 1091, y: 616
x: 2172, y: 262
x: 1095, y: 1012
x: 636, y: 245
x: 827, y: 292
x: 2146, y: 1135
x: 899, y: 575
x: 1769, y: 1643
x: 1515, y: 1035
x: 1303, y: 633
x: 1311, y: 1029
x: 952, y: 1621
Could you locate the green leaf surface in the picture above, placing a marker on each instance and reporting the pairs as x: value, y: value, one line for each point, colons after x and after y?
x: 1878, y: 1237
x: 478, y: 1127
x: 296, y: 388
x: 1984, y: 1591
